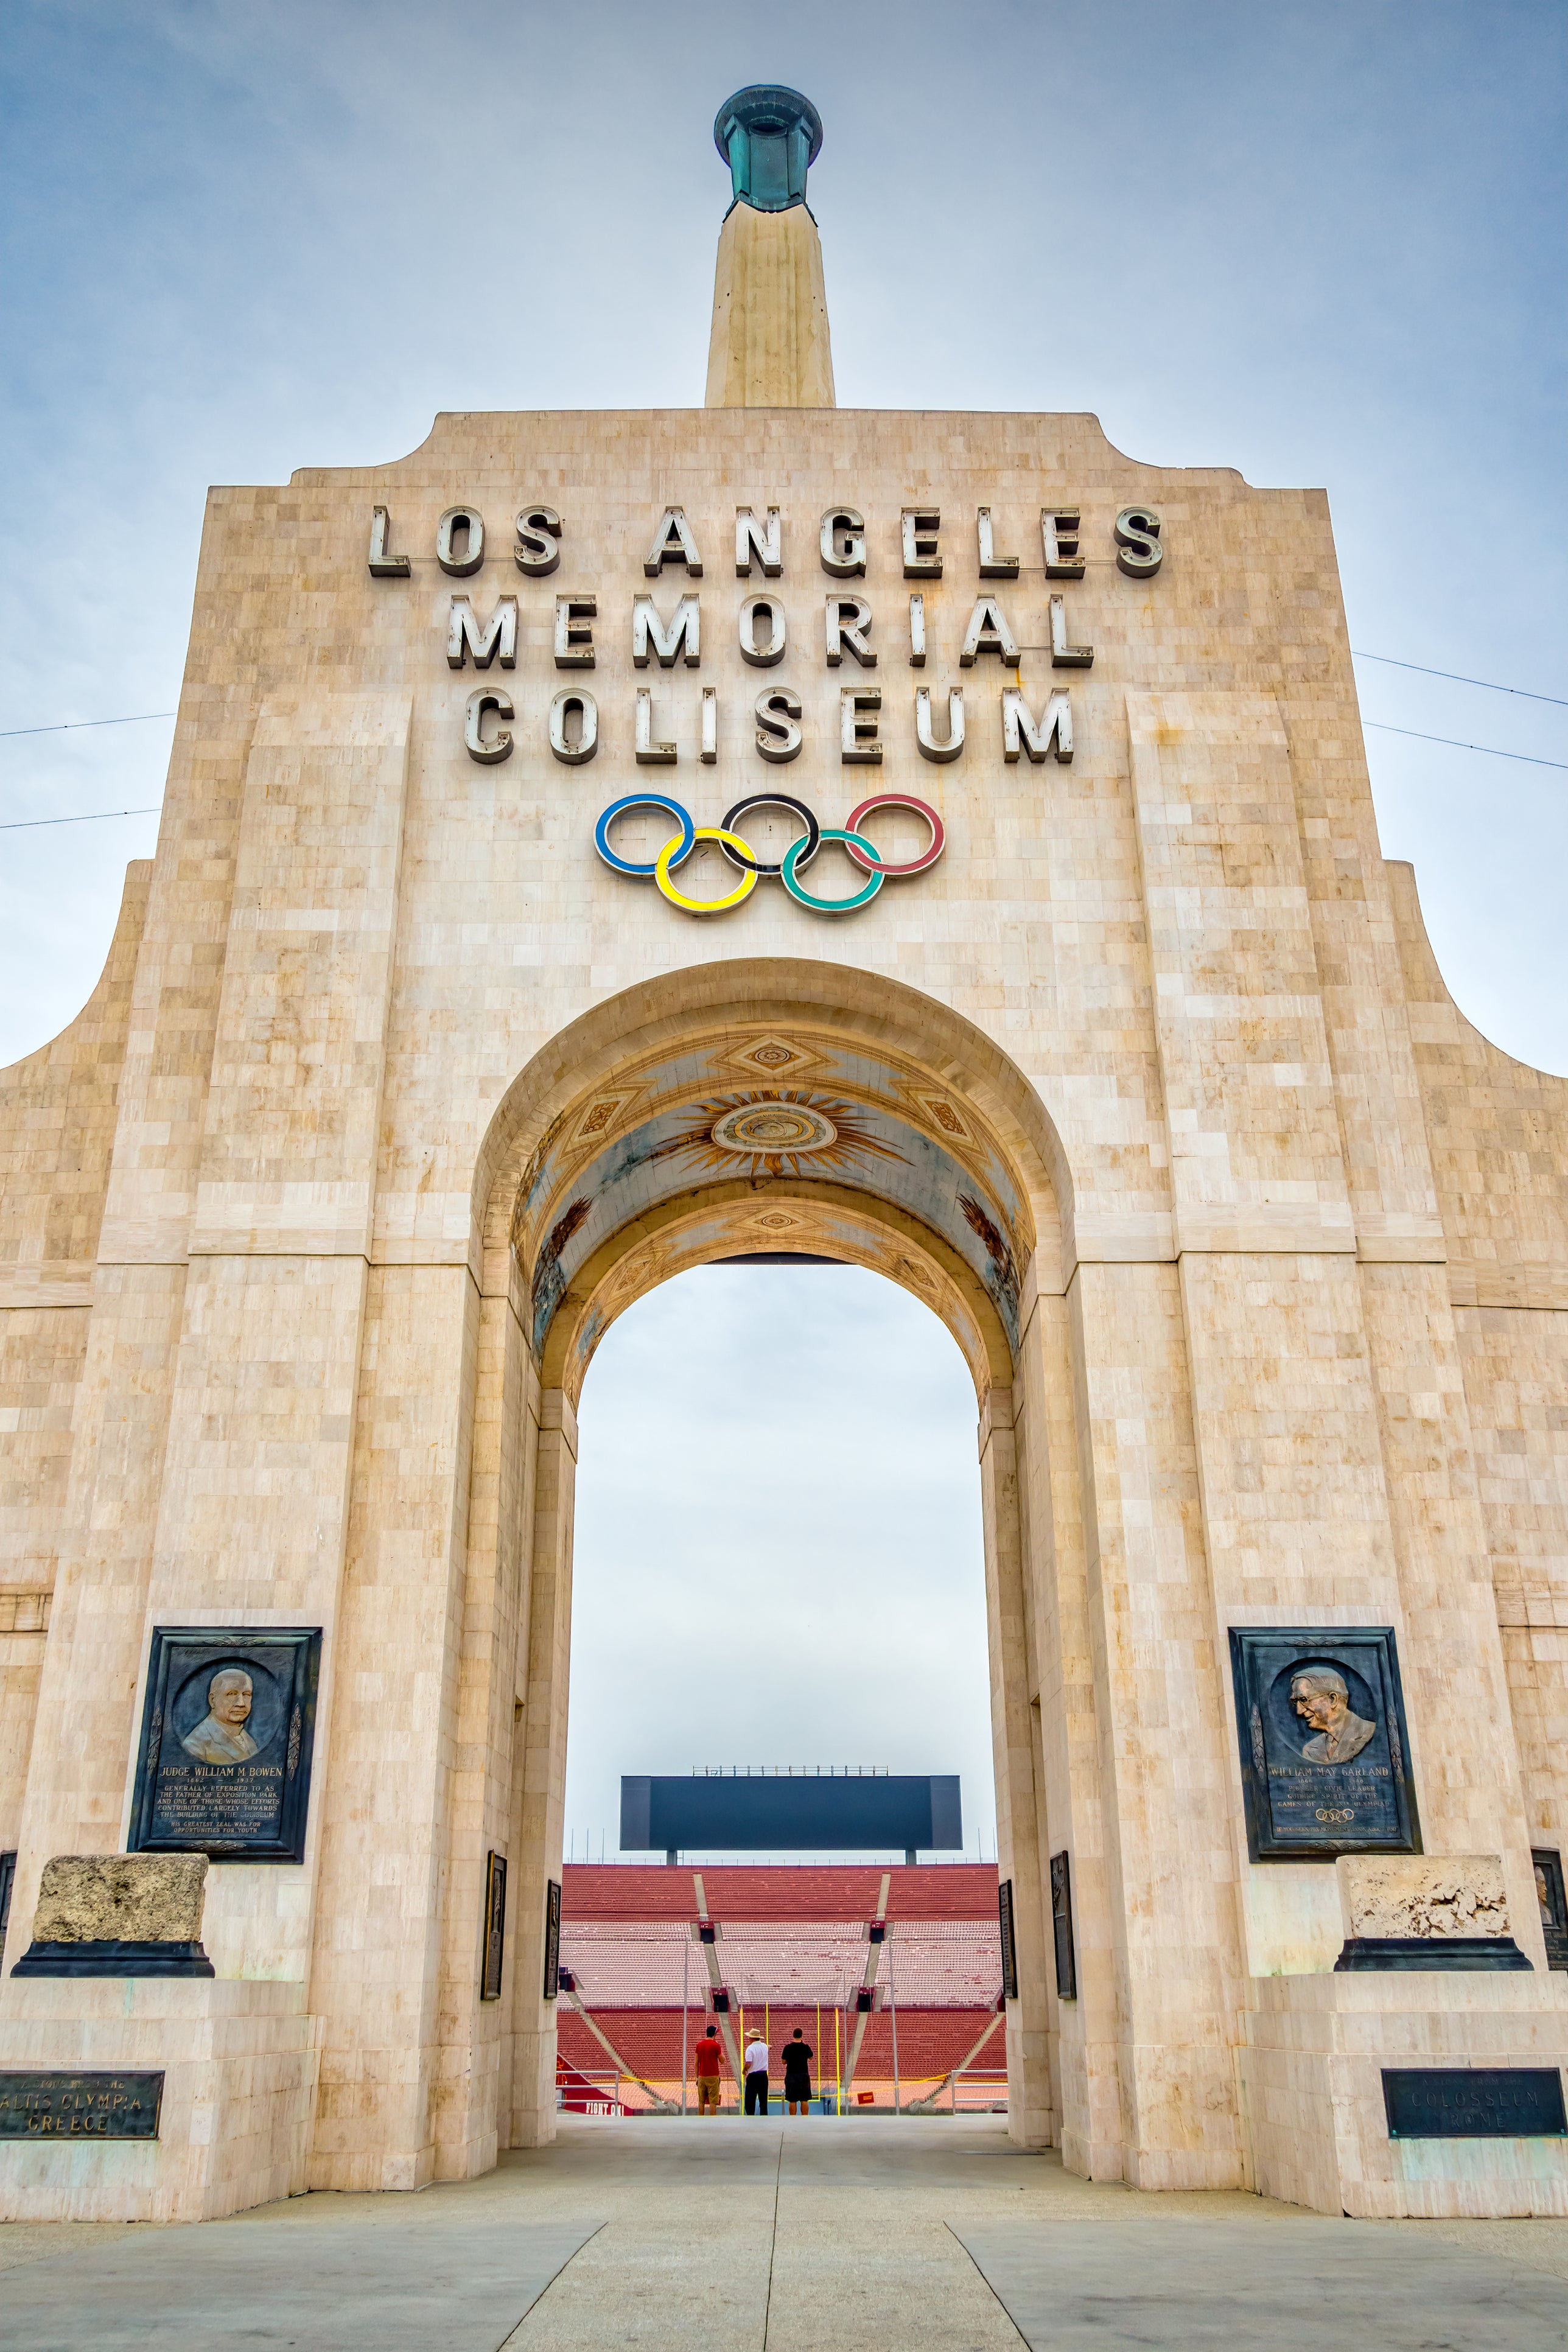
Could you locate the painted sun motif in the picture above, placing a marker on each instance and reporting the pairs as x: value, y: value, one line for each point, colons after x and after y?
x: 777, y: 1133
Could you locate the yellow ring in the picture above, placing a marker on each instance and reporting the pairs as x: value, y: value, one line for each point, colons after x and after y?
x: 703, y: 905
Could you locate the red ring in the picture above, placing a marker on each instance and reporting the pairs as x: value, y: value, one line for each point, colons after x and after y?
x: 904, y: 801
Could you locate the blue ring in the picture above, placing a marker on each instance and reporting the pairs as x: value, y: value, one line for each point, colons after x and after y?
x: 643, y: 800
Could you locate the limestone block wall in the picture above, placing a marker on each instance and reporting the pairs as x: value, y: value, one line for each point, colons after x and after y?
x: 1498, y: 1135
x: 1289, y: 1342
x: 24, y: 1626
x: 57, y: 1111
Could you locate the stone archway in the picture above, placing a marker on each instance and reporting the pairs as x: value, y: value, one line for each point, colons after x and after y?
x: 780, y: 1107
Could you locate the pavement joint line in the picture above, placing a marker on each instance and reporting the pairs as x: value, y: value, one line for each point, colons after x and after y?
x: 773, y: 2247
x: 990, y: 2290
x: 512, y: 2336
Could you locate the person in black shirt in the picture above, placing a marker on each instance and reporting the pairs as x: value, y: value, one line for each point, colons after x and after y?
x: 797, y: 2057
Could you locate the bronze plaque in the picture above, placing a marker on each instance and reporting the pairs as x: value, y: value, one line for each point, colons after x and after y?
x: 46, y: 2106
x: 1474, y: 2103
x: 1061, y: 1927
x: 1325, y: 1764
x: 495, y: 1927
x: 228, y: 1735
x: 1009, y: 1940
x: 552, y: 1937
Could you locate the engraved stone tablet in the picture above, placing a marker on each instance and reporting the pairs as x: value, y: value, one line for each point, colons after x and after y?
x: 1324, y: 1757
x: 228, y: 1728
x: 79, y: 2106
x: 1474, y: 2103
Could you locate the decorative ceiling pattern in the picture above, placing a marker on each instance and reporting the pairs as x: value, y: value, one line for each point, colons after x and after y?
x: 786, y: 1222
x: 816, y: 1109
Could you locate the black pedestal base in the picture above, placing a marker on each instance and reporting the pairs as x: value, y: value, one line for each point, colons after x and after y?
x: 1380, y: 1952
x: 114, y: 1959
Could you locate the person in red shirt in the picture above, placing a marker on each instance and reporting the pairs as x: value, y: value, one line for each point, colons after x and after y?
x: 709, y: 2062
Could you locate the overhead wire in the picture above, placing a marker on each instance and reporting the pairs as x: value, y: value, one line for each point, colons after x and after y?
x: 1381, y: 727
x: 69, y: 726
x: 1490, y: 685
x: 88, y: 816
x: 1488, y: 750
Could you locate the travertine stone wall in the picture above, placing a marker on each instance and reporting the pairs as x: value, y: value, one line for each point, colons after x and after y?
x: 1290, y: 1307
x: 1164, y: 1734
x: 387, y: 1856
x: 56, y: 1134
x: 770, y: 346
x: 1015, y: 1678
x: 1499, y: 1151
x: 1083, y: 2031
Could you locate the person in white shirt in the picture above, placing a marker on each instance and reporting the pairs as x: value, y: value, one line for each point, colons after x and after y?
x: 756, y: 2076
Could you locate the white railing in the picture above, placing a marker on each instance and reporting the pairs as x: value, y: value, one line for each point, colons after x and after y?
x: 978, y: 2091
x: 602, y: 2081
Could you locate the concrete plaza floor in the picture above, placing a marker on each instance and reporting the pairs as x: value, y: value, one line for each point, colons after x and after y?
x: 785, y: 2236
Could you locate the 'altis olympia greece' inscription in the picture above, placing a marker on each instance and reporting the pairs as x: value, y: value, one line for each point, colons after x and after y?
x: 666, y: 634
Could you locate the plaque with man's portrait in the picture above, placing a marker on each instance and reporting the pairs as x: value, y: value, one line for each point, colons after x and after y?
x: 1325, y: 1764
x: 227, y: 1734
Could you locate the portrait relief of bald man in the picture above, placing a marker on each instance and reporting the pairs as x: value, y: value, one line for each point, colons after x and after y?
x: 1321, y: 1696
x: 221, y: 1737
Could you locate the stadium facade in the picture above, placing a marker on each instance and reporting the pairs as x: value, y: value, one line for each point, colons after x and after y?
x: 602, y: 843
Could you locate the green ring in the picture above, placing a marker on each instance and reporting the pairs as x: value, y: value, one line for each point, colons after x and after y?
x: 828, y: 906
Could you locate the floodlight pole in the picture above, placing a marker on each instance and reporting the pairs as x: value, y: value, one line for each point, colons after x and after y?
x: 893, y: 2006
x: 873, y: 1958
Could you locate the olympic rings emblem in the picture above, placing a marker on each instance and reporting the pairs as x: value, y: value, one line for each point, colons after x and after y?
x: 740, y: 853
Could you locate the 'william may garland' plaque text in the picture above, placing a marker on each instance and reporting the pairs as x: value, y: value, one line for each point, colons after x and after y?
x: 223, y: 1766
x: 1325, y: 1759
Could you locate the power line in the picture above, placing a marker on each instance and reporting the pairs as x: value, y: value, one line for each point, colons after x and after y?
x: 1490, y: 685
x: 68, y: 726
x: 91, y: 816
x: 1454, y: 744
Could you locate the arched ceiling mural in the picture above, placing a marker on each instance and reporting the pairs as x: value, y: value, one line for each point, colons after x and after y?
x: 782, y: 1219
x: 770, y: 1110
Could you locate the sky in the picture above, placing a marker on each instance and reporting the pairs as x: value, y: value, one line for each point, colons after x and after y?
x: 1322, y: 244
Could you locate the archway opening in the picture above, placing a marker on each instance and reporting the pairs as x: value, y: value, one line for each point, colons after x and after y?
x: 779, y: 1572
x: 779, y: 1545
x: 773, y: 1112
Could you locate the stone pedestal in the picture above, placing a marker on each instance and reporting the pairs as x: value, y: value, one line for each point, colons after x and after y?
x: 1312, y: 2077
x: 239, y: 2081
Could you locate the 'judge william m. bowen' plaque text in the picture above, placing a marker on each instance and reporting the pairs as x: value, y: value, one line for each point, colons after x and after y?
x: 223, y: 1766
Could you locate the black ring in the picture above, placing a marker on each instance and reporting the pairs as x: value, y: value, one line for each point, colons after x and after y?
x: 771, y: 800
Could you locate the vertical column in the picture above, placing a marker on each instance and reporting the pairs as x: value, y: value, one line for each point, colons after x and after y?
x: 1327, y: 1402
x: 543, y: 1764
x: 1013, y: 1680
x: 1472, y: 1786
x: 1160, y: 1711
x: 1070, y: 1809
x: 253, y: 1511
x: 376, y: 1955
x: 75, y: 1788
x: 473, y: 2100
